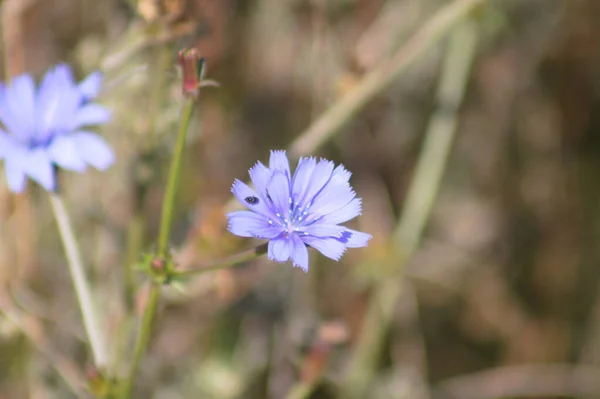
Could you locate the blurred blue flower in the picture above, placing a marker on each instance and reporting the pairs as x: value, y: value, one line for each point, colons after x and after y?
x: 44, y: 128
x: 293, y: 211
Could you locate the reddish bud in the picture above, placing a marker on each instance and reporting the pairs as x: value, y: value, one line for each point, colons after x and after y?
x: 157, y: 264
x: 192, y: 68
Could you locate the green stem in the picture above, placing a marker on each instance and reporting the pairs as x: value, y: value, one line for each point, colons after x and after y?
x: 231, y: 261
x: 174, y: 171
x: 143, y: 339
x: 82, y: 290
x: 135, y: 235
x: 162, y: 250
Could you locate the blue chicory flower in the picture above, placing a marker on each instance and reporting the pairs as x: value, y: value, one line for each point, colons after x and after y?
x: 44, y: 128
x: 299, y: 210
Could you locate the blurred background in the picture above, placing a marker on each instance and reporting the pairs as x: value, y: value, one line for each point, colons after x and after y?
x: 470, y: 126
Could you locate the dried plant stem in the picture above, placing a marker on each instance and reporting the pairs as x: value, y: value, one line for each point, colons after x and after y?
x: 82, y: 289
x: 420, y: 198
x: 162, y: 251
x: 230, y: 261
x: 378, y: 79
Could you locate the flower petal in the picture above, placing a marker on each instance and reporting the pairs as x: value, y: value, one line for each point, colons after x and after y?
x: 93, y: 150
x: 39, y: 167
x: 345, y: 213
x: 18, y: 107
x: 267, y: 233
x: 250, y: 199
x: 358, y: 239
x: 324, y: 230
x: 340, y: 175
x: 63, y: 74
x: 15, y: 171
x: 279, y: 161
x: 57, y: 102
x: 22, y: 94
x: 64, y: 152
x: 90, y: 87
x: 91, y: 114
x: 279, y: 192
x: 242, y: 191
x: 302, y: 176
x: 279, y: 250
x: 7, y: 144
x: 260, y: 176
x: 330, y: 247
x: 3, y: 91
x: 334, y: 196
x: 319, y: 178
x: 250, y: 224
x: 298, y: 252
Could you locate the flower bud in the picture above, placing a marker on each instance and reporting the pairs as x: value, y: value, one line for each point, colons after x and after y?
x: 192, y: 69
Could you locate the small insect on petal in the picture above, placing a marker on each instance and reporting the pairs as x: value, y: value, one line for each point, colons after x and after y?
x: 251, y: 200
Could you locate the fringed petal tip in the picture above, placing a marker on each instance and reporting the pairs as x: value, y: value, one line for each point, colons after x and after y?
x: 304, y: 269
x: 90, y: 87
x: 358, y: 239
x: 235, y: 182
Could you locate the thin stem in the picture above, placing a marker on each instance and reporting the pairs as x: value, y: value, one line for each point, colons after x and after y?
x: 135, y: 235
x: 169, y: 201
x: 162, y: 250
x: 230, y: 261
x: 82, y: 290
x: 143, y: 339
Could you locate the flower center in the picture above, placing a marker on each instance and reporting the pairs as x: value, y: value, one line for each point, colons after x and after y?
x: 295, y: 218
x: 290, y: 228
x: 35, y: 142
